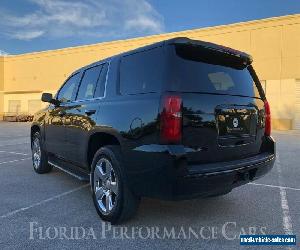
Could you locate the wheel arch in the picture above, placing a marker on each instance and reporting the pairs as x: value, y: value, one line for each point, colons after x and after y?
x: 97, y: 140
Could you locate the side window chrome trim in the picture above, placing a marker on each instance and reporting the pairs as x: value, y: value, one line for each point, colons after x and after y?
x: 106, y: 80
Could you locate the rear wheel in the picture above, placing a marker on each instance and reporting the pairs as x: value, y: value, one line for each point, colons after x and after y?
x: 112, y: 198
x: 39, y: 155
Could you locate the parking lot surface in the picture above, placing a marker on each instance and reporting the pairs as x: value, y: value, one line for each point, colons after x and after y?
x: 55, y: 210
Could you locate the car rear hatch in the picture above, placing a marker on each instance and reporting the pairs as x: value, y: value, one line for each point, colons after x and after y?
x: 222, y: 106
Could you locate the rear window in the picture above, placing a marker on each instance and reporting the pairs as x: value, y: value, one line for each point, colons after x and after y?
x: 141, y: 72
x: 206, y: 73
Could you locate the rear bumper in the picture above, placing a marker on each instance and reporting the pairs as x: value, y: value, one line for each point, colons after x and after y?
x: 171, y: 178
x: 210, y: 183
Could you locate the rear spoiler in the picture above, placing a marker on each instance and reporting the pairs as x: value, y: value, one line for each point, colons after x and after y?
x: 246, y: 58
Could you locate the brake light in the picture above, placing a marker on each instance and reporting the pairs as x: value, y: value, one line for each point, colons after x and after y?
x: 171, y: 119
x: 267, y: 118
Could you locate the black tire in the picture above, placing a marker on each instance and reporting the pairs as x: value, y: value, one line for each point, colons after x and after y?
x: 124, y: 203
x: 42, y: 166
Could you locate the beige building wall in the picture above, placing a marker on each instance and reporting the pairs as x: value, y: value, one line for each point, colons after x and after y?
x: 274, y: 44
x: 1, y: 86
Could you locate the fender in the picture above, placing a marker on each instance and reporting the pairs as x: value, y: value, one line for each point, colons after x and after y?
x: 104, y: 130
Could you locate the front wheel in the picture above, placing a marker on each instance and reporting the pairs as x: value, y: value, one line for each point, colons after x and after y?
x: 112, y: 198
x: 39, y: 155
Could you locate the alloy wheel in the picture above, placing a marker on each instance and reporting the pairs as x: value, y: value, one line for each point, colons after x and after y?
x: 105, y: 185
x: 36, y: 152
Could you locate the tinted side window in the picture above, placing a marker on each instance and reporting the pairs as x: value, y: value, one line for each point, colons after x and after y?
x: 89, y: 82
x: 142, y: 72
x: 68, y: 90
x: 101, y: 82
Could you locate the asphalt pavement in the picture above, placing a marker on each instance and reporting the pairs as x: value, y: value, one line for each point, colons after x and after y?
x: 55, y: 210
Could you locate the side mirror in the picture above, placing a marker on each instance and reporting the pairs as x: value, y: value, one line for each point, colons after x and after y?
x: 47, y: 97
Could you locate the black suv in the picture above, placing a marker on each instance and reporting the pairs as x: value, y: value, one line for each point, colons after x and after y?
x: 177, y: 119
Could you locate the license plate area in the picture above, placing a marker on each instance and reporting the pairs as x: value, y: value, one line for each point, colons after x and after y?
x: 236, y: 125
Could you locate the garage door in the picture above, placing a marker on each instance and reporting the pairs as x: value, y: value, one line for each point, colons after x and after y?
x: 33, y: 106
x: 297, y: 114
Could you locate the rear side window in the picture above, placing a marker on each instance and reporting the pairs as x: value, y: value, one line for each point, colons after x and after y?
x: 142, y: 72
x: 89, y: 82
x: 194, y: 75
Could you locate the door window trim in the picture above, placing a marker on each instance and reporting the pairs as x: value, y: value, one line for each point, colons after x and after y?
x: 83, y: 73
x: 105, y: 84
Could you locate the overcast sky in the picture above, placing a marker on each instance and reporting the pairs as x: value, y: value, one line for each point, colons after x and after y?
x: 35, y: 25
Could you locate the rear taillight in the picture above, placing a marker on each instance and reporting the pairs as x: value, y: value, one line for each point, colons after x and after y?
x: 267, y: 118
x: 171, y: 119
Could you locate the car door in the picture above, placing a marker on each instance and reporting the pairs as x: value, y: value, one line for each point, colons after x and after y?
x: 55, y: 136
x: 81, y: 115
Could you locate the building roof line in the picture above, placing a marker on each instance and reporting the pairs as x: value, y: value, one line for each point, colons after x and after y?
x: 170, y: 34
